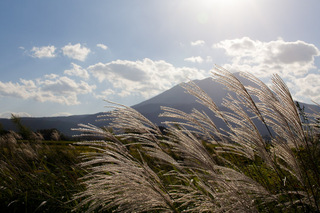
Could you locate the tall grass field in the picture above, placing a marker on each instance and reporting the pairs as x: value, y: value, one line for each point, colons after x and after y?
x: 191, y: 165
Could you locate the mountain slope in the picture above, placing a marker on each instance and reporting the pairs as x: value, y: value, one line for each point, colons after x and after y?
x: 176, y: 97
x: 62, y: 123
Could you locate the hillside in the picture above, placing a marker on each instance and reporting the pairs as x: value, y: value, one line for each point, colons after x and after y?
x: 175, y: 97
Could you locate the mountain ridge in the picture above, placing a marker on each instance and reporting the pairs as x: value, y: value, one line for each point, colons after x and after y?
x: 176, y: 97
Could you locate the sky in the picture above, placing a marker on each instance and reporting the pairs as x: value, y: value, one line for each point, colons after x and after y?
x: 65, y: 57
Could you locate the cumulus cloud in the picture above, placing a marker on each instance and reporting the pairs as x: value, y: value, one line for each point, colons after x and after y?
x: 77, y: 70
x: 25, y: 89
x: 61, y: 90
x: 146, y: 77
x: 102, y: 46
x: 43, y: 52
x: 51, y: 76
x: 293, y: 61
x: 197, y: 43
x: 105, y: 94
x: 76, y: 51
x: 194, y: 59
x: 265, y: 58
x: 306, y: 88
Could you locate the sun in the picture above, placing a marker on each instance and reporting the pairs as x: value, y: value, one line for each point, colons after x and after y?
x: 224, y: 4
x: 223, y: 10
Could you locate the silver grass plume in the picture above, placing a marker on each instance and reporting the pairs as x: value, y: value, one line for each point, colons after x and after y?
x: 193, y: 166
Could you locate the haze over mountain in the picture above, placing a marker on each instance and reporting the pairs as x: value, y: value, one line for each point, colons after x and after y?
x: 176, y: 97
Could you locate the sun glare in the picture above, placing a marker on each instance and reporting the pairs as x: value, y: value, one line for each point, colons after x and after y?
x: 223, y: 11
x: 224, y: 4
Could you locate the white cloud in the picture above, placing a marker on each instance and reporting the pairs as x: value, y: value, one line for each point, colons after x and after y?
x: 19, y: 114
x: 25, y: 89
x: 51, y: 76
x: 61, y: 90
x: 307, y: 88
x: 77, y: 70
x: 265, y: 58
x: 293, y: 61
x: 146, y: 77
x: 43, y: 52
x: 105, y: 94
x: 208, y: 59
x: 61, y: 114
x: 102, y: 46
x: 194, y: 59
x: 197, y: 43
x: 76, y: 51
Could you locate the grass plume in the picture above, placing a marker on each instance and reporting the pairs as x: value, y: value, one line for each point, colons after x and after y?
x: 196, y: 166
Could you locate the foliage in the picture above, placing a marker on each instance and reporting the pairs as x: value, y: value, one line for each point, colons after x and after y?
x: 24, y: 131
x: 52, y: 134
x: 195, y: 166
x: 36, y: 177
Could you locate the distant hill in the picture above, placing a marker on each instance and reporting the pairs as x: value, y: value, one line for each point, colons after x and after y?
x: 177, y: 98
x: 62, y: 123
x: 174, y: 97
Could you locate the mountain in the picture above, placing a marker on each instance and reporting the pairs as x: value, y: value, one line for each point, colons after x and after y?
x: 62, y: 123
x: 175, y: 97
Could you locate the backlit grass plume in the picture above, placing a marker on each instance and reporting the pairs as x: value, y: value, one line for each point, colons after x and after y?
x: 196, y: 166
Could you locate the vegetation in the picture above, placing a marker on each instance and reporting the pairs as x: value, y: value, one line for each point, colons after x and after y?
x: 24, y: 131
x: 195, y: 166
x: 36, y: 176
x: 52, y: 134
x: 187, y: 165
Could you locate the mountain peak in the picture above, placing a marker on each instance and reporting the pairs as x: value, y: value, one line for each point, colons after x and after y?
x: 176, y: 97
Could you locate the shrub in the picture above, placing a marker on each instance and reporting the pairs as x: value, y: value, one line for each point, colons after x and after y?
x: 199, y: 167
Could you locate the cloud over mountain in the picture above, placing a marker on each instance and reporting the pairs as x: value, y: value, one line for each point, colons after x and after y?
x: 308, y: 86
x: 51, y: 88
x: 62, y: 90
x: 9, y: 114
x: 293, y: 61
x: 265, y: 58
x: 146, y: 77
x: 141, y: 79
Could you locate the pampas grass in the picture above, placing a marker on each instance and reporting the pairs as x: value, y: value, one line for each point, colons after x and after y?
x: 36, y: 176
x: 196, y: 166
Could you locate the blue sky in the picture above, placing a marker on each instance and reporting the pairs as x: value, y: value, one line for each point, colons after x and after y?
x: 64, y: 57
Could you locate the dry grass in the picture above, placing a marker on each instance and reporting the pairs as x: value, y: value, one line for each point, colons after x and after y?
x: 36, y: 177
x: 199, y: 167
